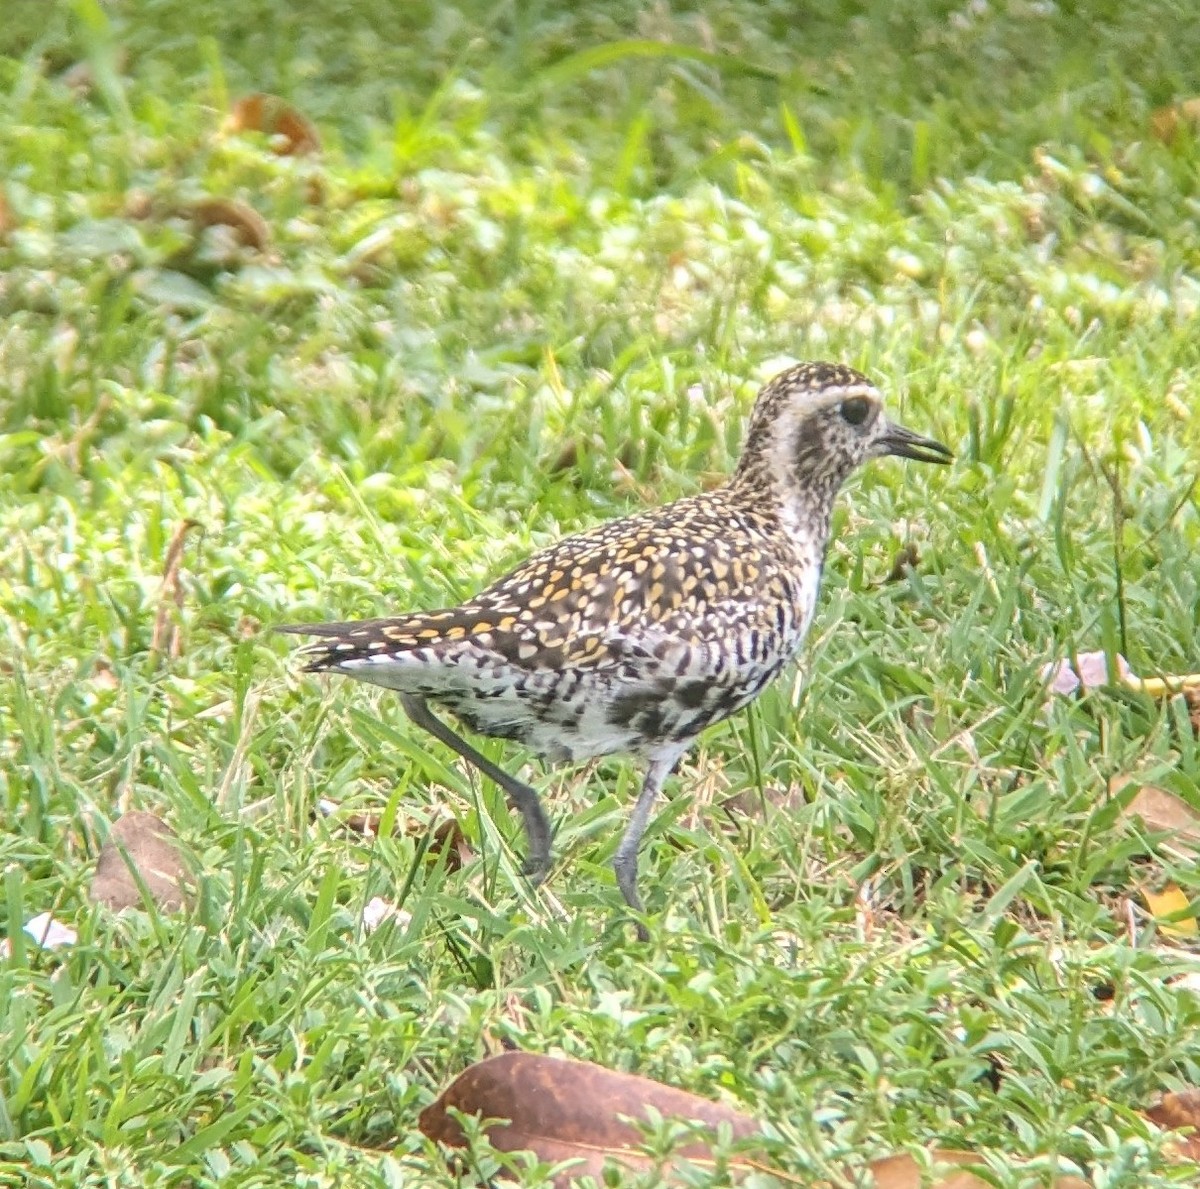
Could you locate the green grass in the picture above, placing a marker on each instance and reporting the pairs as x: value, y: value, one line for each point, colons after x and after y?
x: 533, y: 280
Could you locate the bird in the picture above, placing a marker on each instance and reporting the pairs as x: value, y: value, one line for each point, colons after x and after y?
x: 635, y: 635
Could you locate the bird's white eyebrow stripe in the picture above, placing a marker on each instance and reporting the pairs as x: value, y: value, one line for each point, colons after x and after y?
x: 840, y: 393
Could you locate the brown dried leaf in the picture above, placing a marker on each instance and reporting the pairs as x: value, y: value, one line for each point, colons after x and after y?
x: 1180, y: 1112
x: 1159, y: 809
x: 904, y: 1172
x: 141, y: 843
x: 907, y: 559
x: 574, y: 1110
x: 103, y: 676
x: 446, y: 835
x: 249, y: 227
x: 291, y: 133
x: 1165, y: 122
x: 165, y: 638
x: 139, y: 204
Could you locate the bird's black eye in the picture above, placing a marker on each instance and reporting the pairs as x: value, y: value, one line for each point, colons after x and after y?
x: 855, y: 410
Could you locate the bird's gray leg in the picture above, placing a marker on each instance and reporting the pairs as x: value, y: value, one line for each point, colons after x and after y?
x: 537, y: 828
x: 625, y: 864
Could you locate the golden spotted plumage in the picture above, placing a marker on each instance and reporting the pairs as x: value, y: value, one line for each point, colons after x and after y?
x: 637, y: 634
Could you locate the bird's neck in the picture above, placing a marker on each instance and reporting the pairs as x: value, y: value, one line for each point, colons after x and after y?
x: 802, y: 510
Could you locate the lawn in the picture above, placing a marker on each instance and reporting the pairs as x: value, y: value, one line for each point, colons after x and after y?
x: 530, y: 279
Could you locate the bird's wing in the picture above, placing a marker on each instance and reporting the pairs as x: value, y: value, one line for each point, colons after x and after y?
x: 659, y: 590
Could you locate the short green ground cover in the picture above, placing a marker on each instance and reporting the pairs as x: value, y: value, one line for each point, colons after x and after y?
x: 532, y: 281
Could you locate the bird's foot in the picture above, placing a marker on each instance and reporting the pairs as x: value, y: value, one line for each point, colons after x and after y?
x: 536, y: 868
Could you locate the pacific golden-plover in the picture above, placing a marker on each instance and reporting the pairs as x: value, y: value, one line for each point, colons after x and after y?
x: 637, y: 634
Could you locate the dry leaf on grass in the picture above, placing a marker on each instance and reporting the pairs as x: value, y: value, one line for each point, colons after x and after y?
x: 1180, y: 1112
x: 1171, y: 910
x: 1089, y: 671
x: 447, y: 834
x: 166, y: 638
x: 248, y: 226
x: 143, y: 844
x: 1185, y: 686
x: 908, y: 558
x: 1165, y: 122
x: 573, y: 1110
x: 1158, y: 810
x: 291, y: 134
x: 905, y: 1172
x: 103, y: 676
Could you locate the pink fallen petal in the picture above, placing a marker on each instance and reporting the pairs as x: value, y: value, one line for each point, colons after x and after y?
x: 1090, y: 671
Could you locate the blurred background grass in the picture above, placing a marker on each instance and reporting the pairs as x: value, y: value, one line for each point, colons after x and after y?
x: 532, y: 280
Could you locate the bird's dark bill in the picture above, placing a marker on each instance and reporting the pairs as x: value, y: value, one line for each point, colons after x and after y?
x: 898, y: 440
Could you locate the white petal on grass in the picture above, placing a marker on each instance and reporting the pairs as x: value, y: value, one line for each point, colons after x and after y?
x: 379, y: 910
x: 47, y: 932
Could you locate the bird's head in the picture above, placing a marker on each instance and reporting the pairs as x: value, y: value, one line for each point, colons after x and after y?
x: 815, y: 423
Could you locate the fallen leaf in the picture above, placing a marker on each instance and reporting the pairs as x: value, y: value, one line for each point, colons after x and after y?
x: 1159, y: 809
x: 1180, y: 1112
x: 1186, y: 686
x: 166, y: 639
x: 908, y: 558
x: 140, y: 846
x: 249, y: 227
x: 574, y: 1110
x: 1189, y: 981
x: 103, y: 676
x: 447, y: 835
x: 905, y: 1172
x: 1165, y: 122
x: 1171, y: 902
x: 139, y: 204
x: 291, y: 134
